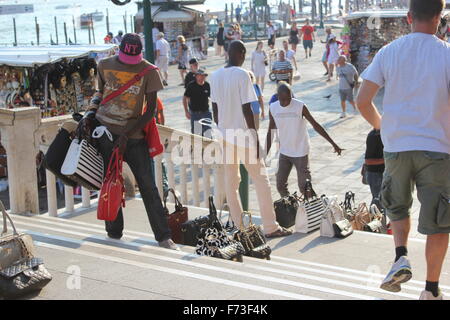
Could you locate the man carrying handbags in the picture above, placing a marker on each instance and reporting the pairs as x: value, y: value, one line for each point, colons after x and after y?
x: 415, y: 72
x: 122, y: 115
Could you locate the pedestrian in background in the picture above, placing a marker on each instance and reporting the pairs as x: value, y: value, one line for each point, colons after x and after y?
x: 327, y: 50
x: 237, y: 35
x: 415, y: 73
x: 259, y: 63
x: 307, y: 34
x: 220, y: 40
x: 282, y: 68
x: 118, y: 39
x: 293, y: 36
x: 109, y: 38
x: 374, y: 165
x: 348, y: 81
x: 333, y: 55
x: 257, y: 105
x: 271, y: 34
x: 290, y: 55
x: 190, y: 77
x: 163, y: 56
x: 196, y: 102
x: 182, y: 58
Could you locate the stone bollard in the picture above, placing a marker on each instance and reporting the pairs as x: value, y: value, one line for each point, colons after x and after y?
x: 18, y: 128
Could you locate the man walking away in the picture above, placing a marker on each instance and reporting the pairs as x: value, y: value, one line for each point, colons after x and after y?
x: 416, y: 135
x: 124, y: 119
x: 289, y: 116
x: 282, y: 68
x: 232, y: 93
x: 190, y: 77
x: 196, y: 97
x: 308, y: 36
x: 348, y: 81
x: 118, y: 39
x: 162, y: 56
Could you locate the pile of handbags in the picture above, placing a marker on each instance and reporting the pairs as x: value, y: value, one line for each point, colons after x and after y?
x: 21, y: 272
x: 308, y: 213
x: 212, y: 238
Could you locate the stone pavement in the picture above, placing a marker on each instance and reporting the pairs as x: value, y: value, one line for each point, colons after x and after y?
x: 331, y: 175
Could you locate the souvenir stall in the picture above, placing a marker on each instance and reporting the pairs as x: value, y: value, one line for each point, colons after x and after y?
x: 58, y: 80
x: 175, y: 18
x: 369, y: 31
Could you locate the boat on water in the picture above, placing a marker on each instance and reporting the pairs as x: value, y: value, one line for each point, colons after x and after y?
x: 67, y: 6
x: 87, y: 18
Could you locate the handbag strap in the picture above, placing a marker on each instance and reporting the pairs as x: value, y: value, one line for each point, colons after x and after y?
x: 178, y: 204
x: 127, y: 85
x: 246, y: 213
x: 309, y: 189
x: 7, y: 217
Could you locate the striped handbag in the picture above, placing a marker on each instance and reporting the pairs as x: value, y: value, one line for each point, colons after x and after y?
x: 84, y: 164
x: 310, y: 211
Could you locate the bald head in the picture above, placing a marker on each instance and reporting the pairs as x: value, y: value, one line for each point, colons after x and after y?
x: 341, y: 60
x: 237, y: 52
x: 284, y: 92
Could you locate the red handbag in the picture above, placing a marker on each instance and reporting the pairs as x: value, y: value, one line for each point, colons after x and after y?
x: 155, y: 147
x: 177, y: 218
x: 113, y: 189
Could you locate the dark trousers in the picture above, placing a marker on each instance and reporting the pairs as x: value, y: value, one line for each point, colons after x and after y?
x: 195, y: 125
x: 375, y: 180
x: 138, y: 158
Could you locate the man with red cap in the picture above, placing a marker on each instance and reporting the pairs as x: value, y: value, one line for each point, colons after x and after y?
x: 124, y: 118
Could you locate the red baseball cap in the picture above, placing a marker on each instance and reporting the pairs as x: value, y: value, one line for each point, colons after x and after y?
x: 130, y: 50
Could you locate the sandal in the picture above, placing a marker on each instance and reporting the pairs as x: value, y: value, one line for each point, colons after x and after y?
x: 282, y: 232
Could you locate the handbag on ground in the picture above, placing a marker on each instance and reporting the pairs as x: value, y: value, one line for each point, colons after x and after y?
x: 21, y: 272
x: 252, y: 238
x: 286, y: 210
x: 176, y: 218
x: 310, y: 211
x: 334, y: 223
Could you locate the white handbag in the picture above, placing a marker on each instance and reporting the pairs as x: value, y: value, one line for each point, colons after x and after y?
x: 310, y: 211
x: 84, y: 164
x: 333, y: 212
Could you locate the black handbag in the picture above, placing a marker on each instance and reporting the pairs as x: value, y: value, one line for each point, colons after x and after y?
x: 286, y: 210
x: 191, y: 229
x: 214, y: 241
x: 253, y: 239
x: 56, y: 154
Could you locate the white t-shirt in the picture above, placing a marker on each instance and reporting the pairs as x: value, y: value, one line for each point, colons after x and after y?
x: 163, y: 46
x: 415, y: 71
x: 270, y: 31
x: 230, y: 89
x: 294, y: 137
x: 290, y: 55
x: 155, y: 32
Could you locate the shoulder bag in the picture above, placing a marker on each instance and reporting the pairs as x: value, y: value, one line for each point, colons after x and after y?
x: 333, y: 222
x: 286, y: 210
x: 20, y: 272
x: 253, y: 240
x: 360, y: 217
x: 176, y: 218
x: 214, y: 241
x: 310, y: 211
x: 113, y: 190
x: 376, y: 225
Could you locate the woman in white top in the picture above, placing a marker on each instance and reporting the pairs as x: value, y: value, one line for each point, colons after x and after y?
x: 289, y: 116
x: 237, y: 32
x: 333, y: 56
x: 259, y: 60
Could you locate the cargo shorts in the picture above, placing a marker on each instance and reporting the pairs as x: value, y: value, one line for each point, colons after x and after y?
x: 430, y: 173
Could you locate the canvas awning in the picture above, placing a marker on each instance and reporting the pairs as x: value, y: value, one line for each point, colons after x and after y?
x: 36, y: 56
x: 377, y: 13
x: 172, y: 16
x: 200, y: 8
x: 140, y: 14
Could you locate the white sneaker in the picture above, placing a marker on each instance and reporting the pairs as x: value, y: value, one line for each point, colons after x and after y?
x: 427, y: 295
x: 169, y: 244
x: 343, y: 115
x: 400, y: 273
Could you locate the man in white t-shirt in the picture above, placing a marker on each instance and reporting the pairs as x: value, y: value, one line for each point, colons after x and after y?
x: 271, y: 34
x: 232, y: 94
x: 162, y: 56
x: 289, y: 116
x: 415, y: 129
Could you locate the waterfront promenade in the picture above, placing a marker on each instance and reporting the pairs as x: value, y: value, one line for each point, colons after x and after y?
x: 86, y: 265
